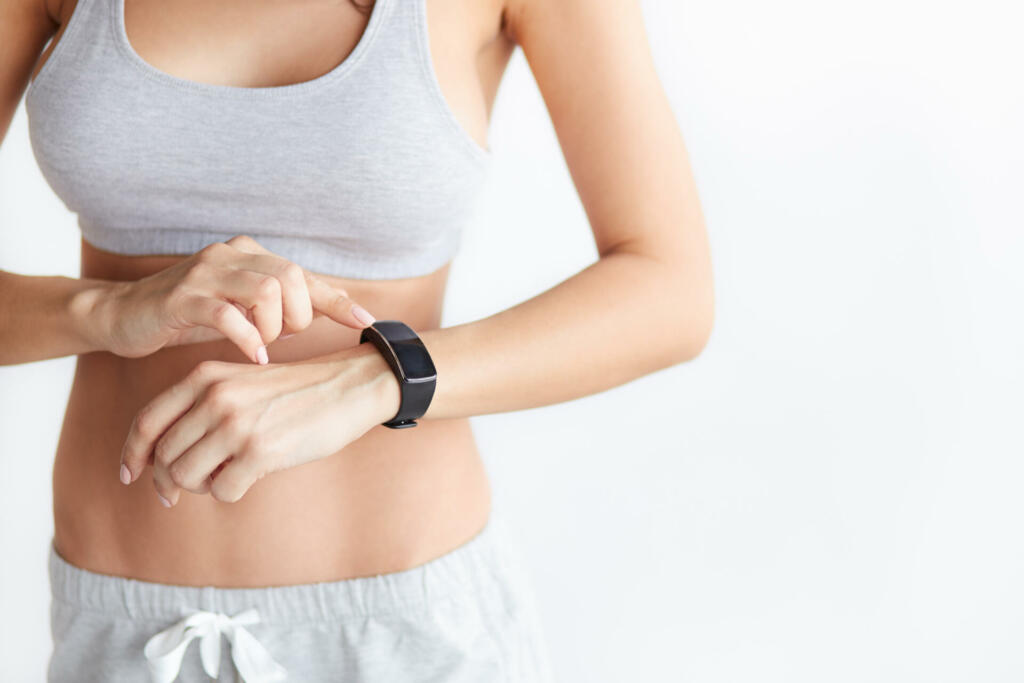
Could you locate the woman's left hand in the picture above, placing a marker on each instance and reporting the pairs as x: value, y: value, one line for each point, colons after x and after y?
x: 226, y: 425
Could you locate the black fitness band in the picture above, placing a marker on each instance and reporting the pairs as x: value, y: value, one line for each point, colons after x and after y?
x: 409, y: 360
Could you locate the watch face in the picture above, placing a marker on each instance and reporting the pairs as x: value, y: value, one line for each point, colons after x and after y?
x: 415, y: 360
x: 412, y: 354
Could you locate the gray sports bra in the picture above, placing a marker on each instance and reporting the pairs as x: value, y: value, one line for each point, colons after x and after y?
x: 363, y: 172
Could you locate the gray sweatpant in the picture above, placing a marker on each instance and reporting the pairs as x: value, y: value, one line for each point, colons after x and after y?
x: 467, y: 616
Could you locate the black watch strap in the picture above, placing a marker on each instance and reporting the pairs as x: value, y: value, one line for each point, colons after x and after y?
x: 408, y: 358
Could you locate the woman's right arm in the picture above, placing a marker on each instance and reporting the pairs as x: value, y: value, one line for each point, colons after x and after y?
x: 37, y: 319
x: 236, y: 289
x: 47, y: 316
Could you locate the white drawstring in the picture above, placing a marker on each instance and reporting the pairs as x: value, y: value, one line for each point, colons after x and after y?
x: 165, y: 650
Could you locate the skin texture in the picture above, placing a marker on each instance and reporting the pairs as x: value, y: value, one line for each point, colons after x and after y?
x: 204, y: 424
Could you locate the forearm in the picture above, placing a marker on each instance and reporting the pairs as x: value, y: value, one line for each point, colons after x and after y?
x: 620, y: 318
x: 47, y: 316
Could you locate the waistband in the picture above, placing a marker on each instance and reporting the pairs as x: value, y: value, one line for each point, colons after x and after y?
x: 480, y: 570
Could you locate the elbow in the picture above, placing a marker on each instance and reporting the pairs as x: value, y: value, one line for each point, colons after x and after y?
x: 684, y: 308
x: 697, y: 335
x: 697, y: 321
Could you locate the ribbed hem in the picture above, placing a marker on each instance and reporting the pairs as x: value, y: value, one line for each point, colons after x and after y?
x: 313, y: 254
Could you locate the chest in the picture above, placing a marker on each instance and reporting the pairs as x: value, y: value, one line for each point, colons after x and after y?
x: 178, y: 135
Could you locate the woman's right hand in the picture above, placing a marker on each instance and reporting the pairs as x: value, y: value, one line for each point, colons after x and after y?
x: 235, y: 289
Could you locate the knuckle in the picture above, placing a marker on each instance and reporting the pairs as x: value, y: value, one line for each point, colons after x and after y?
x: 242, y: 240
x: 338, y: 301
x: 144, y: 421
x: 179, y: 290
x: 203, y: 369
x: 224, y: 491
x: 233, y: 426
x: 207, y: 367
x: 294, y: 273
x: 199, y: 270
x: 301, y: 319
x: 268, y: 287
x: 250, y: 449
x: 179, y: 475
x: 210, y: 252
x: 223, y: 312
x: 162, y: 453
x: 220, y: 396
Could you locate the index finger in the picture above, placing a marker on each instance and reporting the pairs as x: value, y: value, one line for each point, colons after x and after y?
x: 325, y: 299
x: 336, y: 305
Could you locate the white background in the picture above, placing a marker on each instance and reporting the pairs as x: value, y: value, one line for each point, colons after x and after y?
x: 831, y: 492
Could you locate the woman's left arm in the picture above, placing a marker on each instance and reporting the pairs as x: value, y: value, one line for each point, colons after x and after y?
x: 646, y: 304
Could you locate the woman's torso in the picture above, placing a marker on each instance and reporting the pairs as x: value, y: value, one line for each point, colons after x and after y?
x: 388, y: 501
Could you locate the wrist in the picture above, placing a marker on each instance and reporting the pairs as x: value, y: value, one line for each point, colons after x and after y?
x: 89, y: 310
x: 378, y: 379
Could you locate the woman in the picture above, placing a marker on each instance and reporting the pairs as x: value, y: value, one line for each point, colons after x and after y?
x: 254, y: 183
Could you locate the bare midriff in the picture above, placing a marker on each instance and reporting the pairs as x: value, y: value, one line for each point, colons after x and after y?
x: 389, y: 501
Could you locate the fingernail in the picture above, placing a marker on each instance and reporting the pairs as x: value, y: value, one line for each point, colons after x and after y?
x: 285, y: 336
x: 163, y: 500
x: 362, y: 315
x: 261, y: 355
x: 126, y: 475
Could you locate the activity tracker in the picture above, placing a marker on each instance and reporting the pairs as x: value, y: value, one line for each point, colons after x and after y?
x: 409, y: 360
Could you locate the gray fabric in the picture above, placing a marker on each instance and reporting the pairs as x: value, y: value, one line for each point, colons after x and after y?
x: 363, y: 172
x: 467, y: 616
